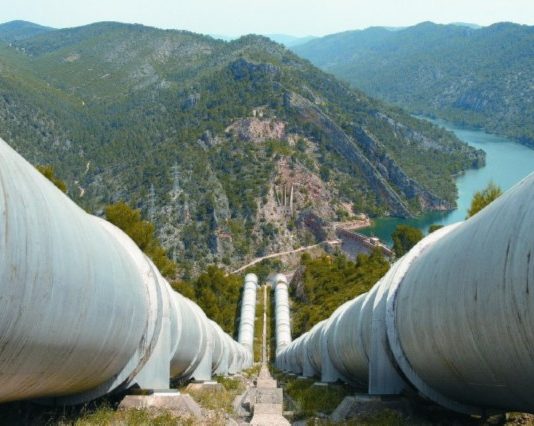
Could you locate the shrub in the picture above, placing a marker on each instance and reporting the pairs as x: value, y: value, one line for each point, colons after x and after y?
x: 404, y: 238
x: 142, y: 233
x: 49, y: 172
x: 483, y: 198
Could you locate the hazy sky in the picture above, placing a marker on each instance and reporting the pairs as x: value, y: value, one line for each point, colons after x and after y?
x: 296, y: 17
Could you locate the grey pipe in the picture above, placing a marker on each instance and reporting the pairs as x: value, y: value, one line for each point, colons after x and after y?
x: 282, y: 319
x: 248, y: 313
x: 83, y: 311
x: 454, y: 318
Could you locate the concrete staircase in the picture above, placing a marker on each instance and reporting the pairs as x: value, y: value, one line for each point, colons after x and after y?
x: 268, y: 401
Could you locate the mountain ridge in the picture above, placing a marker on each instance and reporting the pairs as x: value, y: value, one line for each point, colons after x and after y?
x: 19, y: 30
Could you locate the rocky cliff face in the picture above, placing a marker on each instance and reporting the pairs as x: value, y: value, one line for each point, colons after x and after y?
x: 257, y: 130
x: 391, y: 172
x: 379, y: 169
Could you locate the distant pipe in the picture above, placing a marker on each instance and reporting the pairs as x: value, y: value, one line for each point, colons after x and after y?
x: 248, y: 313
x: 281, y: 303
x: 83, y: 312
x: 454, y: 318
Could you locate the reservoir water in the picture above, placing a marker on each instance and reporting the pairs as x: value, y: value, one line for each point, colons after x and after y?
x: 507, y: 162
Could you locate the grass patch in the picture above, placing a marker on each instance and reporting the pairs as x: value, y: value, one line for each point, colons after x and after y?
x: 108, y: 416
x: 309, y: 400
x: 220, y: 400
x: 385, y: 418
x: 258, y: 325
x: 271, y: 324
x: 102, y: 412
x: 252, y: 372
x: 230, y: 384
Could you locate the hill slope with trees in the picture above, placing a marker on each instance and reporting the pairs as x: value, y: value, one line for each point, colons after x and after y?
x: 479, y: 77
x: 232, y: 149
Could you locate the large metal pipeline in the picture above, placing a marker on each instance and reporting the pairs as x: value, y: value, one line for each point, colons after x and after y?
x: 453, y: 318
x: 281, y: 306
x: 248, y: 313
x: 83, y: 311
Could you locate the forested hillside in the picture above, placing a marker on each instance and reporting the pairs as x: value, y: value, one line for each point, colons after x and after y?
x: 321, y: 285
x: 473, y: 76
x: 232, y: 149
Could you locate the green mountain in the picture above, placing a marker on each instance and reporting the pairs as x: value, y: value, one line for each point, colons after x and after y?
x: 475, y: 77
x: 21, y: 30
x: 233, y: 149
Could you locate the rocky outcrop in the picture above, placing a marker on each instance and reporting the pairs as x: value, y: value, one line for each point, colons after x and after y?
x: 297, y: 284
x: 314, y: 223
x: 257, y: 130
x: 242, y: 69
x: 190, y: 101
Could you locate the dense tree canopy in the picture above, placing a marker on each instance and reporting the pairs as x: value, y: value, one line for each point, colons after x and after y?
x: 217, y: 293
x: 321, y: 285
x: 434, y: 227
x: 404, y: 238
x: 265, y: 268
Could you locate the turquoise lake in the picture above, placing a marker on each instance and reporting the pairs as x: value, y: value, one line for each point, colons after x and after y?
x: 507, y: 162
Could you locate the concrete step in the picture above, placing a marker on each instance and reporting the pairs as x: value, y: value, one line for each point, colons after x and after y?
x: 268, y: 396
x: 269, y: 420
x: 266, y: 383
x: 268, y: 408
x: 368, y: 405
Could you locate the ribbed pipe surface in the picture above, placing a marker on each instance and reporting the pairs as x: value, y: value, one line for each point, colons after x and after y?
x: 464, y: 312
x: 313, y: 348
x: 456, y: 313
x: 282, y: 320
x: 248, y: 312
x: 346, y: 341
x: 83, y: 311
